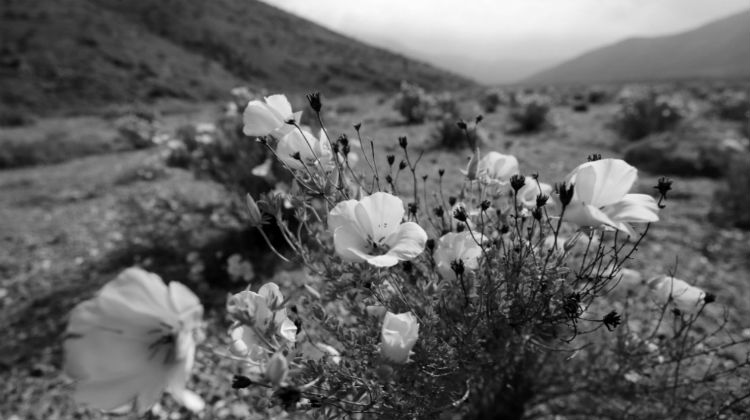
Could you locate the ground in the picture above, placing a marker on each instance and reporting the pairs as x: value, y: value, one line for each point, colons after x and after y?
x: 63, y: 227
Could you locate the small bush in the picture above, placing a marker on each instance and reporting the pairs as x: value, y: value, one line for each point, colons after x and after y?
x: 579, y: 103
x: 447, y: 135
x: 413, y: 103
x: 731, y: 105
x: 687, y: 151
x: 136, y: 131
x: 644, y: 113
x: 531, y: 113
x: 490, y: 101
x: 731, y: 205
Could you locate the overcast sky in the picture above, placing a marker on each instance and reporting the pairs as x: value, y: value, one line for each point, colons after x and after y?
x: 521, y: 33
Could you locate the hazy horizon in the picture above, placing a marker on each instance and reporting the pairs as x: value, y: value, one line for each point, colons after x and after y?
x: 502, y: 42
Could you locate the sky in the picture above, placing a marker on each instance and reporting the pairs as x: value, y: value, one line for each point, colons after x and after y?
x: 503, y: 40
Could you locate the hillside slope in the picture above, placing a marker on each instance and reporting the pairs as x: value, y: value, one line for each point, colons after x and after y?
x: 720, y: 49
x: 84, y: 53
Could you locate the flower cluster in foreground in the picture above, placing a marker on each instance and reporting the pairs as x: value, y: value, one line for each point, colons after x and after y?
x: 408, y: 304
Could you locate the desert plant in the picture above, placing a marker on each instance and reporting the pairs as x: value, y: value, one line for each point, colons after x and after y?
x: 730, y: 206
x: 731, y: 105
x: 494, y: 303
x: 413, y: 103
x: 646, y: 112
x: 489, y: 101
x: 531, y: 113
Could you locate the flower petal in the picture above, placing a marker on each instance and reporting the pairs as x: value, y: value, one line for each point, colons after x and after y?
x: 280, y: 105
x: 602, y: 182
x: 637, y: 208
x: 407, y: 242
x: 379, y: 215
x: 386, y: 260
x: 342, y: 214
x: 586, y: 215
x: 349, y: 244
x: 259, y: 119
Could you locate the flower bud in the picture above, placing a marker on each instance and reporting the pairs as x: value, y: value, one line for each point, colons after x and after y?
x: 566, y: 193
x: 399, y: 334
x: 460, y: 214
x: 441, y: 172
x: 439, y: 211
x: 401, y: 165
x: 473, y: 167
x: 402, y: 142
x: 390, y: 159
x: 277, y: 369
x: 357, y: 126
x: 254, y: 214
x: 461, y: 124
x: 314, y: 99
x: 517, y: 182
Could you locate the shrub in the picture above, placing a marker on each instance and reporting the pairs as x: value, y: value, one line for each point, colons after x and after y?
x: 644, y: 113
x: 687, y: 151
x: 731, y: 105
x: 447, y: 135
x: 579, y: 103
x: 490, y: 101
x: 137, y: 131
x: 491, y: 304
x: 413, y: 103
x: 731, y: 206
x: 531, y: 113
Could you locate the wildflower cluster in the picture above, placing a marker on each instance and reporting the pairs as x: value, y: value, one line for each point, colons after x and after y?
x: 413, y: 301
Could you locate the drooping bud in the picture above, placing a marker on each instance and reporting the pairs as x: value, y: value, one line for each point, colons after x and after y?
x: 390, y: 159
x: 277, y: 369
x: 402, y: 165
x: 255, y: 218
x: 473, y: 167
x: 239, y: 381
x: 485, y: 205
x: 402, y: 142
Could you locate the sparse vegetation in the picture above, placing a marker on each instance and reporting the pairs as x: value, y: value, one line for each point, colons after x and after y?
x: 643, y: 112
x: 531, y: 113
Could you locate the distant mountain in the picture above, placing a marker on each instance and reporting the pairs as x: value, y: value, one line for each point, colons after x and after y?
x: 68, y: 54
x: 720, y: 49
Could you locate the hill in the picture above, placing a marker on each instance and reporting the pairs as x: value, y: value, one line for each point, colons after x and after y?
x: 720, y: 49
x: 84, y: 53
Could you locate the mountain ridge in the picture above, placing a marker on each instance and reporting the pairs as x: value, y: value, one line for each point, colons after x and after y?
x: 718, y: 49
x: 86, y: 53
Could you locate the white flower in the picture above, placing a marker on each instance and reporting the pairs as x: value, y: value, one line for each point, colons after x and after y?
x: 531, y: 189
x: 398, y: 336
x: 600, y: 197
x: 263, y: 323
x: 498, y: 167
x: 312, y: 150
x: 331, y: 351
x: 371, y: 230
x: 458, y: 246
x: 269, y: 117
x: 686, y: 298
x: 132, y: 341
